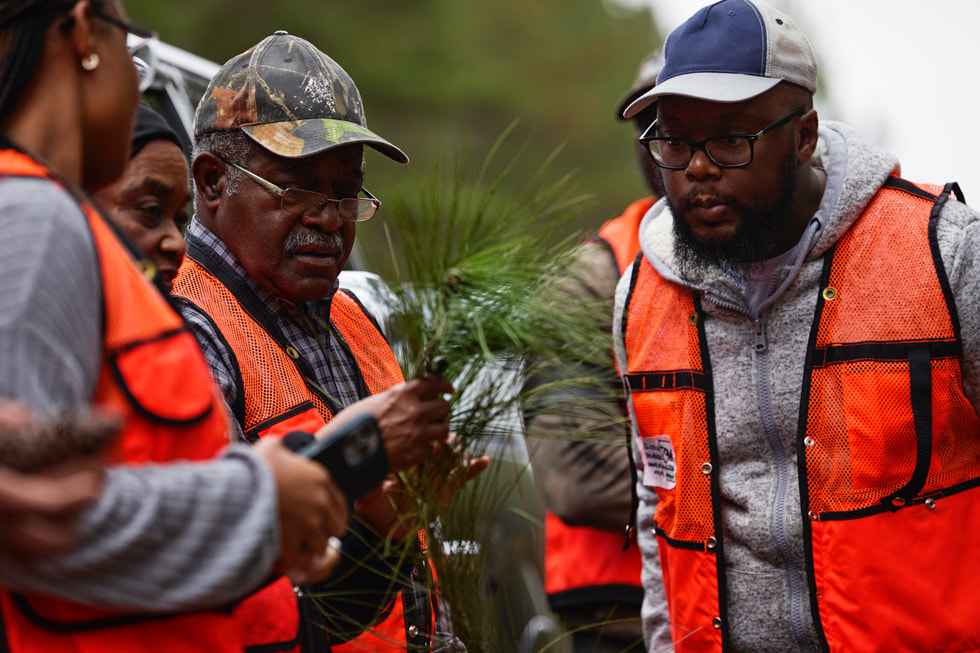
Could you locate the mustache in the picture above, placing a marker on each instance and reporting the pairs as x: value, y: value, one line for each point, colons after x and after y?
x: 320, y: 239
x: 685, y: 202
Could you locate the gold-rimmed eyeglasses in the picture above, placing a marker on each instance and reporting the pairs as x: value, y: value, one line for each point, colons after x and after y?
x: 308, y: 203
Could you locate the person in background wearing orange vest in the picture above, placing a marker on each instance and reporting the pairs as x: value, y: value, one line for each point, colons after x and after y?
x: 800, y: 340
x: 278, y: 171
x: 622, y: 234
x: 149, y: 201
x: 174, y: 535
x: 592, y: 584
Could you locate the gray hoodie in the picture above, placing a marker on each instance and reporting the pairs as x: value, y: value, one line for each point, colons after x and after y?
x: 757, y: 348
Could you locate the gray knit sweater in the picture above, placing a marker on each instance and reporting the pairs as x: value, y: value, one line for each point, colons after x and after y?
x: 161, y: 537
x: 757, y: 396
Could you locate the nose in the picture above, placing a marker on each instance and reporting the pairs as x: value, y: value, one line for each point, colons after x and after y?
x: 173, y: 245
x: 701, y: 166
x: 327, y: 218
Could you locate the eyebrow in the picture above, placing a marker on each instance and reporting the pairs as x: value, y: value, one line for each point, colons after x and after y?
x: 154, y: 186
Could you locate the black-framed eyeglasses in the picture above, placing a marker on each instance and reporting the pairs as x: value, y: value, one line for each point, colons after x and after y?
x: 142, y: 35
x: 729, y: 151
x: 310, y: 204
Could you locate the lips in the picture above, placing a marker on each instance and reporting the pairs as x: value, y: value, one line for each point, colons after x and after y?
x: 707, y: 209
x: 316, y: 250
x: 705, y: 201
x: 317, y: 255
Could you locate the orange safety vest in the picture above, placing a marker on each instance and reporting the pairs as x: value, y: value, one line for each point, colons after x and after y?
x: 274, y: 399
x: 584, y: 564
x: 154, y: 377
x: 891, y: 446
x: 623, y: 233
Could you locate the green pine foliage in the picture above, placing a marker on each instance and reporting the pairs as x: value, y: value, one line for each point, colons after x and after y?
x: 475, y: 271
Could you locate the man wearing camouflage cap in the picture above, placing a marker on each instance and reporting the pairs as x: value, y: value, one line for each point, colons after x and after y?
x: 592, y: 584
x: 277, y: 167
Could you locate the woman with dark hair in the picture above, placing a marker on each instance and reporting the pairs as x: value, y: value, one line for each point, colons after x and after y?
x: 82, y: 329
x: 149, y: 201
x: 69, y: 87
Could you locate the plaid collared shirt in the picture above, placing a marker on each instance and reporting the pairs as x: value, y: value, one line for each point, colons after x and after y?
x: 307, y: 328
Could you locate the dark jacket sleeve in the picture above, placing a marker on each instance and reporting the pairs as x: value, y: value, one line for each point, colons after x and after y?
x: 577, y: 433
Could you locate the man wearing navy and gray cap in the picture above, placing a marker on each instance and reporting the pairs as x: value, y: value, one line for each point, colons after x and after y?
x: 278, y: 158
x: 800, y: 340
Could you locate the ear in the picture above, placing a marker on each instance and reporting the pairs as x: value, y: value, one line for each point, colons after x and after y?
x: 81, y: 29
x: 808, y: 136
x: 209, y: 180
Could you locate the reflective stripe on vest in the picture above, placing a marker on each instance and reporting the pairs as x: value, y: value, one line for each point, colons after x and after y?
x: 892, y: 447
x: 154, y: 377
x: 278, y: 399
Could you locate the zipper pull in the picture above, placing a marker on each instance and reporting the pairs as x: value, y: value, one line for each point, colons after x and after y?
x: 761, y: 342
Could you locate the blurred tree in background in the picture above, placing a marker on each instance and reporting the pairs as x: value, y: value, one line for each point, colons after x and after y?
x: 443, y: 79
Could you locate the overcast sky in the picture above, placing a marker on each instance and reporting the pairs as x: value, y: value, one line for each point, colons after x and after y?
x: 902, y: 71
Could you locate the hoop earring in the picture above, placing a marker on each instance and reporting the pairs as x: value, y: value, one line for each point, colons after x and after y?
x: 90, y: 62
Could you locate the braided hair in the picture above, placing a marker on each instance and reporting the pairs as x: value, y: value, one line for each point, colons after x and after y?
x: 23, y: 25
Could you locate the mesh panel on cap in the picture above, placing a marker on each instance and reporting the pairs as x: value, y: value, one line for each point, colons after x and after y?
x: 789, y: 55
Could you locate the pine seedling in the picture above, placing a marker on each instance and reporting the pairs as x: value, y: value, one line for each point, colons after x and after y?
x: 475, y: 277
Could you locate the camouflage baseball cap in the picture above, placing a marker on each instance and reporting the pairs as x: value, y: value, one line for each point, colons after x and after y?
x: 646, y: 78
x: 290, y: 98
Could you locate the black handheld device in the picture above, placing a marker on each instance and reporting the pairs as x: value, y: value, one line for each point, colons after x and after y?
x: 354, y: 455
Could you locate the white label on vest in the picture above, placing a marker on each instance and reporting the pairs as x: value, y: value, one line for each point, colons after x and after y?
x: 659, y: 466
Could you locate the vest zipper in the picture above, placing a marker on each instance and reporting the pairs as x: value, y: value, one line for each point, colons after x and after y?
x: 782, y: 463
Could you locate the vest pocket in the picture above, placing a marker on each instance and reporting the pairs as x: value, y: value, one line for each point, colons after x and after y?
x: 302, y: 417
x: 165, y: 379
